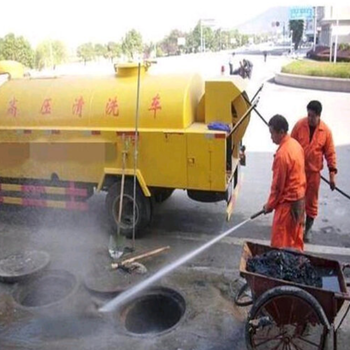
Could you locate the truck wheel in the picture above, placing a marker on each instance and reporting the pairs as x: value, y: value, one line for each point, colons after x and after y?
x: 162, y: 195
x: 142, y: 208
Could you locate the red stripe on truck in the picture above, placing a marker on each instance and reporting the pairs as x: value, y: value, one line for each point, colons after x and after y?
x: 33, y: 189
x: 34, y: 202
x: 220, y: 136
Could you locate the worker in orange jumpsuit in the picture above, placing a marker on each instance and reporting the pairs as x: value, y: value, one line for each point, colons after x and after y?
x: 316, y: 139
x: 288, y: 188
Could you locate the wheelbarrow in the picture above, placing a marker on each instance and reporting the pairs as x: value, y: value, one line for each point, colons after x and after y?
x: 287, y: 315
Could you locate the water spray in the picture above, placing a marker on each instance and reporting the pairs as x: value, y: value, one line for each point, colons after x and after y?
x: 123, y: 297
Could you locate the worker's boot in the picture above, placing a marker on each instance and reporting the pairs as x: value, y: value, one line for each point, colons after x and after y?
x: 307, y: 233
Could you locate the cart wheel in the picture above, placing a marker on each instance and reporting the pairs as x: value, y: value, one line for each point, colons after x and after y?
x: 243, y: 300
x: 286, y: 318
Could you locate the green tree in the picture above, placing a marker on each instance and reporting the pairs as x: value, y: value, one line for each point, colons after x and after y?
x: 217, y: 42
x: 100, y: 50
x: 149, y: 48
x: 86, y: 52
x: 193, y: 42
x: 169, y: 44
x: 132, y: 44
x: 208, y: 38
x: 244, y: 39
x: 113, y: 50
x: 225, y: 39
x: 50, y: 53
x: 17, y: 49
x: 159, y: 51
x: 297, y: 26
x: 1, y: 49
x: 201, y: 35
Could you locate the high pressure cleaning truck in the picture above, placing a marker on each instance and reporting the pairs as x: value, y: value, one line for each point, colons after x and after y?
x: 64, y: 138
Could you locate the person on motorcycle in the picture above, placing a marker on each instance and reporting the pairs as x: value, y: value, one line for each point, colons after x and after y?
x: 240, y: 71
x: 247, y: 67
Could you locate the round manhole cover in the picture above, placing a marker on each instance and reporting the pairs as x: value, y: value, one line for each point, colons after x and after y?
x: 101, y: 279
x: 157, y: 311
x: 50, y: 289
x: 17, y: 267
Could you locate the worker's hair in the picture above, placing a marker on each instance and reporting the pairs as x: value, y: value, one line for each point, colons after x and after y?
x: 279, y: 123
x: 315, y: 106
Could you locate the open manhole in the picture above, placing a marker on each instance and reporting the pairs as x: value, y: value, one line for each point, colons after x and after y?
x: 21, y: 266
x: 157, y: 311
x: 50, y: 289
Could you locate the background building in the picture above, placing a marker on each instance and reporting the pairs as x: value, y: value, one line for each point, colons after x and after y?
x: 333, y: 21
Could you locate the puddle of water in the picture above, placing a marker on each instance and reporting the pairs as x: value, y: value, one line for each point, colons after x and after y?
x: 331, y: 283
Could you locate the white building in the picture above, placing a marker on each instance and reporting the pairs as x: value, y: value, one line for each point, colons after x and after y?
x: 333, y: 21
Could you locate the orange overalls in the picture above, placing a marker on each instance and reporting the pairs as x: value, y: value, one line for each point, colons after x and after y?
x: 320, y: 145
x: 287, y: 195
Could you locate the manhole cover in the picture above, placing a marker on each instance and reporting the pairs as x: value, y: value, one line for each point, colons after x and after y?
x: 100, y: 278
x: 20, y: 266
x: 50, y: 289
x: 157, y: 311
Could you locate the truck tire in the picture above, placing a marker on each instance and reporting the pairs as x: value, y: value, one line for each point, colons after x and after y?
x: 142, y: 208
x: 162, y: 195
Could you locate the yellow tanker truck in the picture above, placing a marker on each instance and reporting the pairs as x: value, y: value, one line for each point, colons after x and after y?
x: 63, y: 138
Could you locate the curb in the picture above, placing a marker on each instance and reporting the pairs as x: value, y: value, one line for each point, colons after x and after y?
x: 316, y: 83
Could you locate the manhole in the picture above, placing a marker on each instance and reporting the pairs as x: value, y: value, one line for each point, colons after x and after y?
x: 48, y: 290
x: 17, y: 267
x: 154, y: 313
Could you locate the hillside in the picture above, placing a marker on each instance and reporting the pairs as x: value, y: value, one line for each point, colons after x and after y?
x: 263, y: 22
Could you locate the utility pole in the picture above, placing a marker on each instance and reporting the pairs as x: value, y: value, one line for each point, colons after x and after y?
x: 315, y: 27
x: 205, y: 22
x: 330, y: 43
x: 201, y: 35
x: 336, y: 41
x: 51, y: 54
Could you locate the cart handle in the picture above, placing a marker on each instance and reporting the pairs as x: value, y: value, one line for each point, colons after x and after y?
x: 343, y: 267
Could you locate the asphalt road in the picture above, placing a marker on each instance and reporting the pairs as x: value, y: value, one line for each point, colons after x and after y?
x: 76, y: 240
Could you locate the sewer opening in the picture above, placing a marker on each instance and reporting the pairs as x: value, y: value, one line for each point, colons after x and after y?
x: 154, y: 313
x: 47, y: 290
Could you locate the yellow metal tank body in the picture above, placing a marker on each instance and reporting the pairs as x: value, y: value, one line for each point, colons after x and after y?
x: 12, y: 68
x: 101, y: 103
x: 62, y: 130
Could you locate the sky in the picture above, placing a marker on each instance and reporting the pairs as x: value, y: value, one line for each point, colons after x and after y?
x: 99, y: 21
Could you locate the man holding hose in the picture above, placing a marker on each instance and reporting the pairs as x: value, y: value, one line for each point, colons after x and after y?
x: 287, y: 189
x: 316, y: 139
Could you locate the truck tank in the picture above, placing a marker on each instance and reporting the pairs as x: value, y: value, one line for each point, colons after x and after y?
x: 62, y: 138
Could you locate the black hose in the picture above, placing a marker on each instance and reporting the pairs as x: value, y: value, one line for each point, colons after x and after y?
x: 336, y: 188
x: 254, y: 216
x: 264, y: 120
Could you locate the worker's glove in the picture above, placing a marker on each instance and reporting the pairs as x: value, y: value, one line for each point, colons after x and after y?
x: 267, y: 209
x: 332, y: 180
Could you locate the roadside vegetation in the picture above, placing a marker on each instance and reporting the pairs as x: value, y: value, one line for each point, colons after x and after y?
x: 318, y: 69
x: 202, y: 37
x: 50, y: 53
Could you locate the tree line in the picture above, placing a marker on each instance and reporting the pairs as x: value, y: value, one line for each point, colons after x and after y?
x: 50, y: 53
